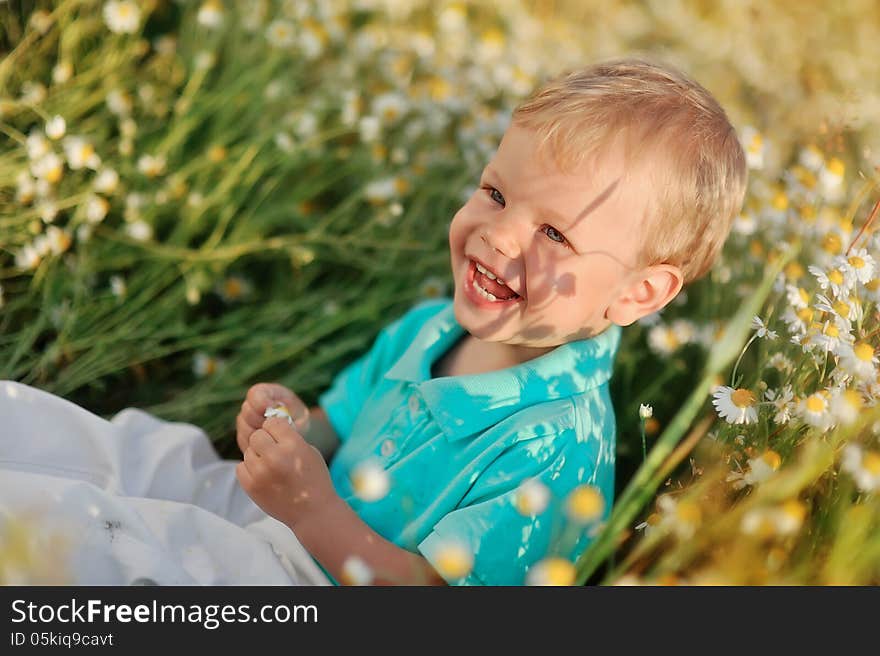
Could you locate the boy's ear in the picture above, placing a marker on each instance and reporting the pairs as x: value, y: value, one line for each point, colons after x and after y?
x: 654, y: 288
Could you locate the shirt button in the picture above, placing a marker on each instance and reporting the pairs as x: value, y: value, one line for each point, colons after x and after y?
x: 387, y: 448
x: 414, y: 405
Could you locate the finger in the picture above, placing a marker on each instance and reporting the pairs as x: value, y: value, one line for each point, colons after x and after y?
x: 242, y: 433
x: 281, y: 430
x: 262, y: 395
x: 263, y: 443
x: 252, y: 415
x: 245, y: 479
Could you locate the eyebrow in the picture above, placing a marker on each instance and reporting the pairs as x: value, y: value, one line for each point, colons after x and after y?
x: 558, y: 218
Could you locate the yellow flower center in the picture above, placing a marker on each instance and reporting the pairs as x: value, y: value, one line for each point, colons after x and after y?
x: 794, y: 271
x: 688, y: 512
x: 835, y: 276
x: 772, y: 459
x: 836, y: 167
x: 756, y: 248
x: 856, y: 262
x: 864, y: 351
x: 831, y: 243
x: 842, y: 308
x: 756, y: 143
x: 816, y: 403
x: 794, y: 509
x: 805, y: 314
x: 743, y: 398
x: 808, y: 214
x: 873, y: 284
x: 557, y: 571
x: 871, y: 462
x: 805, y: 296
x: 780, y: 201
x: 831, y: 330
x: 454, y: 562
x: 853, y: 399
x: 585, y: 503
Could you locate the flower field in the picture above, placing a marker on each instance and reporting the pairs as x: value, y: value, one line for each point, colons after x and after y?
x: 197, y: 196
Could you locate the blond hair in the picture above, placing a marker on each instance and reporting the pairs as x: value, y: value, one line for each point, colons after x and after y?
x: 653, y: 109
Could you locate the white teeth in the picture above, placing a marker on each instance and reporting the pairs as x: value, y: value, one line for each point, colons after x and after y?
x: 487, y: 273
x: 484, y: 293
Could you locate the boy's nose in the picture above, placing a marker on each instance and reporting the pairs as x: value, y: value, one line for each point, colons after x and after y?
x: 502, y: 239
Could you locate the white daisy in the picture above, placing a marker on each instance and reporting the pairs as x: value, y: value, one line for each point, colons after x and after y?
x: 815, y: 410
x: 37, y: 145
x: 745, y: 224
x: 370, y: 481
x: 96, y: 208
x: 58, y: 239
x: 831, y: 179
x: 863, y: 465
x: 48, y: 210
x: 832, y: 279
x: 736, y: 406
x: 683, y: 516
x: 645, y: 411
x: 531, y: 497
x: 49, y: 168
x: 857, y: 266
x: 432, y: 287
x: 356, y: 572
x: 106, y: 181
x: 151, y: 166
x: 453, y: 560
x: 369, y: 128
x: 811, y: 157
x: 80, y: 154
x: 753, y: 144
x: 846, y: 404
x: 122, y: 16
x: 551, y: 571
x: 25, y: 188
x: 584, y: 504
x: 780, y: 362
x: 762, y: 329
x: 281, y: 34
x: 858, y: 360
x: 663, y: 340
x: 759, y: 470
x: 119, y: 102
x: 118, y: 286
x: 56, y: 127
x: 389, y: 107
x: 782, y: 520
x: 782, y: 401
x: 139, y: 230
x: 210, y: 14
x: 206, y: 365
x: 797, y: 297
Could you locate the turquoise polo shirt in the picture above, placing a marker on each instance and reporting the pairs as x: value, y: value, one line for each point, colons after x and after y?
x: 456, y: 448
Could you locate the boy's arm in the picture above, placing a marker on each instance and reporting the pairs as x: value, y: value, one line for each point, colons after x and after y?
x: 321, y: 434
x: 288, y: 478
x: 337, y: 533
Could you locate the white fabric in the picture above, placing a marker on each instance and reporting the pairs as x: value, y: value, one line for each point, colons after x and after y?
x: 135, y: 499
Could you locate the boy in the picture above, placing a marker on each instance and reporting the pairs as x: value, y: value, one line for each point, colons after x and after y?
x: 612, y: 188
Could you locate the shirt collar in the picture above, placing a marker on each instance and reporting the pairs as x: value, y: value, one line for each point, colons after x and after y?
x: 464, y: 405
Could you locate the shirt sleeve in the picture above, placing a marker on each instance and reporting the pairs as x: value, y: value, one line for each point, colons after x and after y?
x: 352, y: 386
x: 488, y: 523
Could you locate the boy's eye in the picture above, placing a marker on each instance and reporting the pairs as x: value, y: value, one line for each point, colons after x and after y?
x: 554, y: 234
x: 495, y: 195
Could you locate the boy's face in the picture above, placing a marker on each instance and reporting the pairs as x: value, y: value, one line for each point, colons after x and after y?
x: 564, y: 243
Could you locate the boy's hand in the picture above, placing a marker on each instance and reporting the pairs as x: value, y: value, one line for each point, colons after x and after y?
x: 284, y: 474
x: 260, y: 397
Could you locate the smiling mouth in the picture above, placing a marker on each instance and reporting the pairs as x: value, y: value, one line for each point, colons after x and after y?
x: 489, y: 286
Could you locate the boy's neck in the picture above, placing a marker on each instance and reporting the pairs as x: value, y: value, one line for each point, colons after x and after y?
x: 474, y: 356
